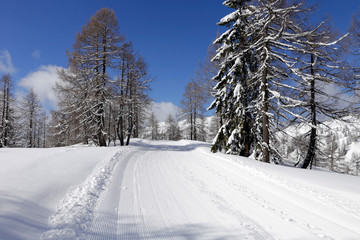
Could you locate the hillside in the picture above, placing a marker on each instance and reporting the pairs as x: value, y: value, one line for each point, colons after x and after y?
x: 338, y: 148
x: 169, y: 190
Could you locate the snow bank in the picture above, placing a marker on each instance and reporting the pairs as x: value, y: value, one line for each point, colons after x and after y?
x: 76, y: 211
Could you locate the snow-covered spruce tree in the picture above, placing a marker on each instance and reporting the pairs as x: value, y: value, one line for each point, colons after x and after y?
x: 232, y: 89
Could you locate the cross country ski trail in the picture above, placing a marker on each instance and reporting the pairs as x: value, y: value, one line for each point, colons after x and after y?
x: 156, y: 201
x: 178, y: 190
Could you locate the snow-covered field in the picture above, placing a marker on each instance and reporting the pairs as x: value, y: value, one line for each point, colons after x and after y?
x: 169, y: 190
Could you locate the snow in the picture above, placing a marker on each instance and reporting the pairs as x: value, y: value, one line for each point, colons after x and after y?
x: 169, y: 190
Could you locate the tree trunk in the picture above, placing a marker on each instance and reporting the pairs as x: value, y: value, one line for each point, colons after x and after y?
x: 101, y: 139
x: 31, y: 131
x: 195, y: 130
x: 86, y: 140
x: 7, y: 114
x: 310, y: 155
x: 265, y: 118
x: 131, y: 125
x: 120, y: 129
x: 136, y: 121
x: 191, y: 126
x: 101, y: 124
x: 3, y: 117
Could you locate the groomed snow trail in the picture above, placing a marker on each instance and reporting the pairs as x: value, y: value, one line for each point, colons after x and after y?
x: 151, y: 198
x: 178, y: 190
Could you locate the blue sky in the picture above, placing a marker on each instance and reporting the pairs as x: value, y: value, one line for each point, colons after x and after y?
x: 173, y: 36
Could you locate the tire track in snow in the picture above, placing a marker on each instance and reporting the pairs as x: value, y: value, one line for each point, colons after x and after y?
x: 75, y: 211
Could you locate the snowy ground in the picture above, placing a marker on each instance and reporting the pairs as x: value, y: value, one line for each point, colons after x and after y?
x: 169, y: 190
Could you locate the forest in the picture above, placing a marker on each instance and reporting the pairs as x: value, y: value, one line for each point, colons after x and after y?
x: 283, y: 87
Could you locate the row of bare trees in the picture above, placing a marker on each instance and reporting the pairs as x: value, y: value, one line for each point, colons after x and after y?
x: 23, y: 120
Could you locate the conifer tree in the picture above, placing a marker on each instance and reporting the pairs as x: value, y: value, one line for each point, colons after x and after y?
x: 232, y: 93
x: 94, y: 51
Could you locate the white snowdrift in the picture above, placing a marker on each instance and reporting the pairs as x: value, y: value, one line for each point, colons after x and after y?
x: 33, y: 182
x: 75, y: 212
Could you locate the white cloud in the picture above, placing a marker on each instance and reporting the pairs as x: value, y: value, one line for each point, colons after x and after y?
x: 163, y: 109
x: 42, y: 82
x: 6, y: 65
x: 36, y: 54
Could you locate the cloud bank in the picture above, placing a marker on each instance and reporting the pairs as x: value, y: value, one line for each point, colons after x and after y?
x: 163, y: 109
x: 42, y: 82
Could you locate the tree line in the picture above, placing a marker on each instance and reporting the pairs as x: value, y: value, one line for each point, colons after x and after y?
x: 103, y: 94
x: 23, y: 121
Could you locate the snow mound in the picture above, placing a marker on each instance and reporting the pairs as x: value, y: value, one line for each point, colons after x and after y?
x: 75, y: 212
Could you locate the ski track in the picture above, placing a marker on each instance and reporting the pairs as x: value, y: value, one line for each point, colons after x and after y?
x: 180, y: 191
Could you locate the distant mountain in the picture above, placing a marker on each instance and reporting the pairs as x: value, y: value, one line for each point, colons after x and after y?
x: 338, y: 146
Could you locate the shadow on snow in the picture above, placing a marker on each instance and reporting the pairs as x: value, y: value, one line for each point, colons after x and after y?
x: 21, y: 219
x: 171, y: 146
x: 133, y: 228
